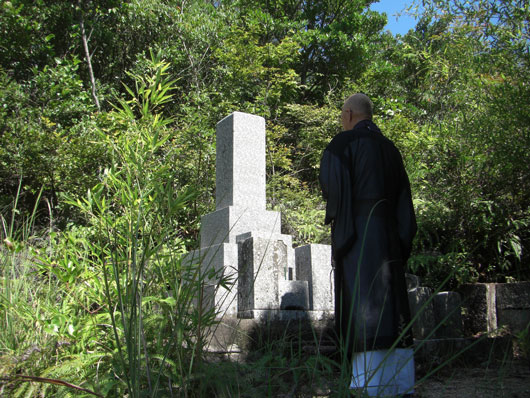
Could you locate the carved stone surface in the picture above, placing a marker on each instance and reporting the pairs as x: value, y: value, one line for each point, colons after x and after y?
x: 262, y: 263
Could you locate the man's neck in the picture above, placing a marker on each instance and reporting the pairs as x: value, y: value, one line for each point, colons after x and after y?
x: 359, y: 121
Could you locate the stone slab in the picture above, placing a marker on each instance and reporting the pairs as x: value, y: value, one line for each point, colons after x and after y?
x: 479, y: 308
x: 313, y: 264
x: 236, y: 335
x: 218, y: 262
x: 275, y: 315
x: 261, y: 263
x: 289, y: 272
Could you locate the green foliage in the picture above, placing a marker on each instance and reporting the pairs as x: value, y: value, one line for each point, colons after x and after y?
x: 45, y: 131
x: 137, y: 250
x: 116, y: 286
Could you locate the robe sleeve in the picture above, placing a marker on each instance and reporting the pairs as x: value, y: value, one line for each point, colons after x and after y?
x: 329, y: 183
x: 405, y: 215
x: 336, y: 187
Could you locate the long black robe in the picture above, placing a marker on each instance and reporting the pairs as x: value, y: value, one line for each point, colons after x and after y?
x: 369, y: 205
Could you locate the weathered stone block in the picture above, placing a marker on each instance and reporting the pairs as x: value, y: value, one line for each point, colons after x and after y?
x: 261, y: 262
x: 288, y: 270
x: 448, y: 314
x: 478, y: 308
x: 421, y: 305
x: 313, y: 264
x: 513, y: 305
x: 294, y: 295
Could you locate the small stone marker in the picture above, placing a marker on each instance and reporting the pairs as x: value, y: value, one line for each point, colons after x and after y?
x: 312, y: 266
x: 420, y: 302
x: 448, y: 314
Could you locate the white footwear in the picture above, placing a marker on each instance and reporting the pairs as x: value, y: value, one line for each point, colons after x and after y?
x: 384, y: 373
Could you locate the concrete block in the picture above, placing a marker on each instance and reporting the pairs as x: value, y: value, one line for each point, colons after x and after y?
x: 313, y: 264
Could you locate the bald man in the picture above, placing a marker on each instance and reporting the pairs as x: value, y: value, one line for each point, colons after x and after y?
x: 372, y: 220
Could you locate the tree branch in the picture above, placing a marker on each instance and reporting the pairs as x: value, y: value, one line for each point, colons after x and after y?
x: 87, y: 54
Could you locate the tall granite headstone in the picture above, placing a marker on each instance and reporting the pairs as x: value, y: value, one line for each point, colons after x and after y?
x: 242, y: 241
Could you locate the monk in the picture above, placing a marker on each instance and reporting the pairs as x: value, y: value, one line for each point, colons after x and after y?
x: 369, y: 206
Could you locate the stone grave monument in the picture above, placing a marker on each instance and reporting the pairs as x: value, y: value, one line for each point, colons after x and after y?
x: 242, y: 240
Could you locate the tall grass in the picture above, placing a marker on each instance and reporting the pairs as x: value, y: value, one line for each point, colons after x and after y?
x: 157, y: 331
x: 19, y: 300
x: 113, y: 305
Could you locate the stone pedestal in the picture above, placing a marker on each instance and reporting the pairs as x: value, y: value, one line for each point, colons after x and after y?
x: 218, y: 263
x: 262, y: 263
x: 224, y: 225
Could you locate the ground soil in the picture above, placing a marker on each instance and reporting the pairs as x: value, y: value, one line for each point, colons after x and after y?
x: 506, y: 380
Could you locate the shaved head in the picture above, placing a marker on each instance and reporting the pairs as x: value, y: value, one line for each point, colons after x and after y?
x: 360, y: 105
x: 356, y: 108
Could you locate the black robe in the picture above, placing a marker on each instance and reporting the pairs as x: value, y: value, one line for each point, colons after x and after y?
x: 370, y: 207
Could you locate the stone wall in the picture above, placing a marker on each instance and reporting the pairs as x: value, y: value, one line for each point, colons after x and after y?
x: 488, y: 307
